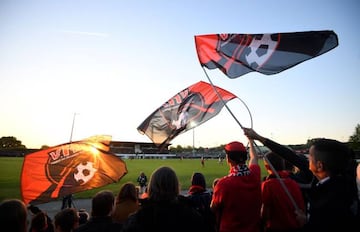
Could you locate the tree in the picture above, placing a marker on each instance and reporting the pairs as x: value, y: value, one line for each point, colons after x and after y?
x: 354, y: 140
x: 177, y: 149
x: 43, y: 147
x: 11, y: 142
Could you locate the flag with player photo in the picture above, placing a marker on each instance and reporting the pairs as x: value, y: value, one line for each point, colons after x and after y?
x: 189, y: 108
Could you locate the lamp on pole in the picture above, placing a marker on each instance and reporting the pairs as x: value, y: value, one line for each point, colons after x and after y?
x: 193, y: 125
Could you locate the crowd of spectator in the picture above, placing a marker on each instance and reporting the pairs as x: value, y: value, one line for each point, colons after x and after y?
x: 315, y: 193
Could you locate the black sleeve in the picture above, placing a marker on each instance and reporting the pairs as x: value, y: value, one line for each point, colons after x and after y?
x: 286, y: 153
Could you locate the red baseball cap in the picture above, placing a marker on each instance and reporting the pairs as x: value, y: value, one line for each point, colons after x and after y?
x: 235, y: 146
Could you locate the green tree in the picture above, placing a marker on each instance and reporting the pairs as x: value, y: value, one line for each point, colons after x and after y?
x: 10, y: 142
x: 43, y: 147
x: 354, y: 140
x: 177, y: 149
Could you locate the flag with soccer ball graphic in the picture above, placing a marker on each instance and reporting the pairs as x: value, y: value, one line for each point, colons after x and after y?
x: 69, y: 168
x: 190, y: 107
x: 270, y: 53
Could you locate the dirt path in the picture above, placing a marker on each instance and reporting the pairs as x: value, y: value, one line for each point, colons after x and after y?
x: 53, y: 207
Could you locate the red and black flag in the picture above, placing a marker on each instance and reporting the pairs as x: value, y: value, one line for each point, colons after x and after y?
x: 187, y: 109
x: 239, y: 54
x: 69, y: 168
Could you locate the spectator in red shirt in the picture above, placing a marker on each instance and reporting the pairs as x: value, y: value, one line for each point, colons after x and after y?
x: 236, y: 200
x: 281, y: 197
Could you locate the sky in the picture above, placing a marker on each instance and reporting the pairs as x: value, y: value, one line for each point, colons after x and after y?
x: 107, y: 65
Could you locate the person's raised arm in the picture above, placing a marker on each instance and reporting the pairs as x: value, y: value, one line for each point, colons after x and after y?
x: 252, y: 153
x: 283, y: 151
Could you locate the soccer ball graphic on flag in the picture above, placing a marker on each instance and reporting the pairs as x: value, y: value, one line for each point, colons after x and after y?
x: 260, y: 50
x: 84, y: 172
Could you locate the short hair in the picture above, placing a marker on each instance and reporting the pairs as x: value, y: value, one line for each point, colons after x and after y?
x: 66, y: 219
x: 163, y: 185
x: 277, y: 162
x: 13, y: 214
x: 239, y: 157
x: 333, y: 154
x: 127, y: 191
x: 102, y: 203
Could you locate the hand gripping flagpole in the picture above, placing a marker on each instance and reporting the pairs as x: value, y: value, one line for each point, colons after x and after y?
x: 272, y: 168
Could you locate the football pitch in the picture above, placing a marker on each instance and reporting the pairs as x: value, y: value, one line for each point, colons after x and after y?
x: 10, y: 172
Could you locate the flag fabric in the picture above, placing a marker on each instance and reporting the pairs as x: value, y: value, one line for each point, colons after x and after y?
x: 239, y: 54
x: 69, y: 168
x: 187, y: 109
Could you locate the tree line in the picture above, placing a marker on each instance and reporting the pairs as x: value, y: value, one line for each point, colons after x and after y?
x: 11, y: 142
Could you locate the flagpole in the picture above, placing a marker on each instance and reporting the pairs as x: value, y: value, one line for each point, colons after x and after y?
x: 293, y: 202
x: 69, y: 197
x: 218, y: 94
x: 272, y: 168
x: 72, y: 127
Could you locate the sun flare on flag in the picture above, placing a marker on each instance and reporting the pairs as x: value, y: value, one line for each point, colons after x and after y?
x: 69, y: 168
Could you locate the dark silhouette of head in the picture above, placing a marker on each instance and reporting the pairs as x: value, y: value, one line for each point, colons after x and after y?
x: 163, y: 185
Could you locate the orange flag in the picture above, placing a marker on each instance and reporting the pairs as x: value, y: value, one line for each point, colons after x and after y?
x: 69, y: 168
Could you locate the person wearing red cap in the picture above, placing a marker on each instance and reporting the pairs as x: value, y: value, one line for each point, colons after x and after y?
x: 236, y: 199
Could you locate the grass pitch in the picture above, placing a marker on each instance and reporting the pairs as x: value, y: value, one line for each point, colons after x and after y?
x: 10, y: 172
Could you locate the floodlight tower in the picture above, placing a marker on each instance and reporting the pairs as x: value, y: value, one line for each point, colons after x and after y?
x: 193, y: 125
